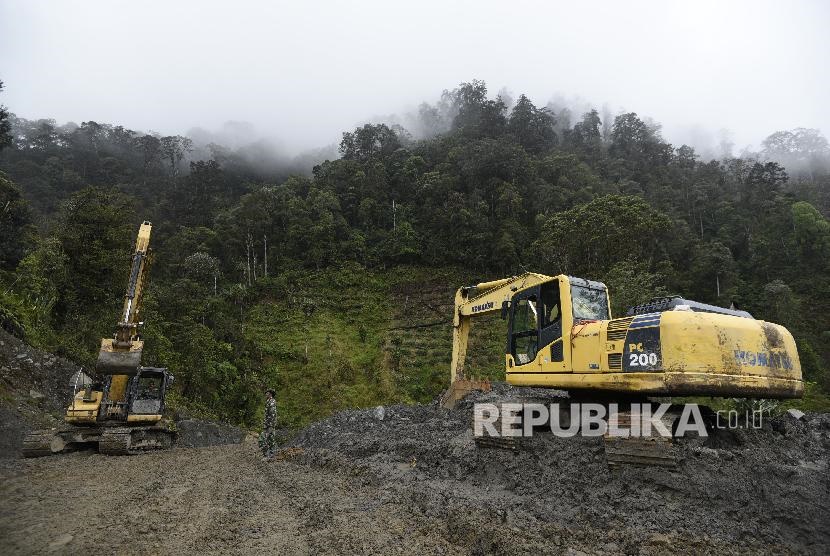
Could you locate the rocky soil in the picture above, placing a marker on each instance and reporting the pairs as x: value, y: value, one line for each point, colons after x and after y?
x: 761, y: 491
x: 34, y: 391
x: 405, y: 479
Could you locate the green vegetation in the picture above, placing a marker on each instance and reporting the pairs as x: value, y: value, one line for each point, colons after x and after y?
x: 336, y: 287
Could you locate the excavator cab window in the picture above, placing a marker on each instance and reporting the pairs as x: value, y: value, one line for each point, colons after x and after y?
x: 551, y: 319
x: 589, y: 303
x: 148, y: 394
x: 551, y: 312
x: 150, y: 388
x: 524, y: 328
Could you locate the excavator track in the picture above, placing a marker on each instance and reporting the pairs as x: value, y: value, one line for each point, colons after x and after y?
x: 640, y: 451
x: 115, y: 442
x: 124, y: 441
x: 517, y: 443
x: 58, y: 440
x: 653, y: 450
x: 499, y: 443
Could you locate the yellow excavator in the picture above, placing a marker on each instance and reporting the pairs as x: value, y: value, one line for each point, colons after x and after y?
x: 562, y: 335
x: 120, y: 407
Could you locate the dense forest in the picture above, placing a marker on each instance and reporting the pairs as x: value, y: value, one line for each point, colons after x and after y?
x: 255, y: 263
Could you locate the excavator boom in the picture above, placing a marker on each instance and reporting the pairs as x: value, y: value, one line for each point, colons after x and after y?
x: 479, y: 300
x: 121, y: 355
x: 474, y: 301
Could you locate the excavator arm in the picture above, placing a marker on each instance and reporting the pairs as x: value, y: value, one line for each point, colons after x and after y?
x: 128, y: 327
x: 121, y: 355
x: 474, y: 301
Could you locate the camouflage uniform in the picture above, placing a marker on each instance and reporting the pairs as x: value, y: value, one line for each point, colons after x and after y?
x: 268, y: 438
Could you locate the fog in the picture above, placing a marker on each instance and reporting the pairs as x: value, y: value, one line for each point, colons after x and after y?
x: 298, y: 74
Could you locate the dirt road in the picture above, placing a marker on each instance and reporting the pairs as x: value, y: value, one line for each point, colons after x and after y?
x: 217, y: 500
x: 353, y: 498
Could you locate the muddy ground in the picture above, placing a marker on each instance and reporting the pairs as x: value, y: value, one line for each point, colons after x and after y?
x: 410, y: 479
x: 414, y: 482
x: 764, y: 491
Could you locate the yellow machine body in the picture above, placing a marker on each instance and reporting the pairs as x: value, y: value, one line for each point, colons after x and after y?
x: 119, y: 357
x: 681, y: 352
x: 120, y: 407
x: 84, y: 409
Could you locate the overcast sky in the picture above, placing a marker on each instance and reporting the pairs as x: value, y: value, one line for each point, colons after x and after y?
x: 304, y: 71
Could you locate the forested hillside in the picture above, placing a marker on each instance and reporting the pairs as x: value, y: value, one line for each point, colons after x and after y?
x: 313, y: 282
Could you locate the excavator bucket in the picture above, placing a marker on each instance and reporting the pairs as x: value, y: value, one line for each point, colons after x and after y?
x: 112, y: 361
x: 460, y: 388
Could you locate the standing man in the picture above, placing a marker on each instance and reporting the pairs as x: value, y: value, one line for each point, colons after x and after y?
x: 268, y: 438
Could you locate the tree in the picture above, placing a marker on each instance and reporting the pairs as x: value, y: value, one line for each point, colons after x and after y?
x: 5, y: 125
x: 150, y: 148
x: 45, y: 135
x: 585, y: 137
x: 369, y: 141
x: 812, y: 234
x: 476, y: 115
x: 43, y: 276
x: 638, y: 144
x: 713, y: 271
x: 96, y: 231
x: 196, y: 200
x: 16, y: 229
x: 402, y: 245
x: 532, y: 127
x: 630, y: 284
x: 780, y: 303
x: 801, y: 150
x: 203, y: 269
x: 763, y: 184
x: 430, y: 121
x: 629, y: 136
x: 173, y: 150
x: 591, y: 238
x: 800, y: 143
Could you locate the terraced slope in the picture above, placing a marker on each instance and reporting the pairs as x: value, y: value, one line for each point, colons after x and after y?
x: 357, y: 338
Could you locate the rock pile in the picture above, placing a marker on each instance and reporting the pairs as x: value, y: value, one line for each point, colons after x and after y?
x: 762, y: 488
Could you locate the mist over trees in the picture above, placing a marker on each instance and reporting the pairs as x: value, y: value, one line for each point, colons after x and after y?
x: 489, y: 184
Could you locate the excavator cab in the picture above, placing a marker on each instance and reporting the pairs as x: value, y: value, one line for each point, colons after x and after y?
x: 147, y: 393
x: 539, y: 314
